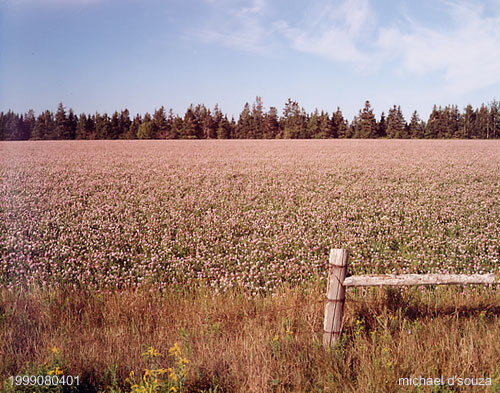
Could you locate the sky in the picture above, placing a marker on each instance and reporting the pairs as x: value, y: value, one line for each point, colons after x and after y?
x: 107, y: 55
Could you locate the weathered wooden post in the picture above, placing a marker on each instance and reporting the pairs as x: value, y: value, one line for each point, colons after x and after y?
x: 335, y: 295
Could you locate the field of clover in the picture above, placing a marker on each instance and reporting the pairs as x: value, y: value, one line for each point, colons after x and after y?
x: 247, y: 214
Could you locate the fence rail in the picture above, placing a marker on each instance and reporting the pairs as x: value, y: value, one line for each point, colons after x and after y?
x: 337, y: 284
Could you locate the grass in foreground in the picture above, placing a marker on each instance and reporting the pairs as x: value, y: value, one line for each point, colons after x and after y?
x: 201, y: 341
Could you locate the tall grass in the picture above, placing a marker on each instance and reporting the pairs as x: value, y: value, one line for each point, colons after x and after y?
x: 262, y: 344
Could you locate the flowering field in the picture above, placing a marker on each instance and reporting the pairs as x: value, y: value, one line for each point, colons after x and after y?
x: 247, y: 214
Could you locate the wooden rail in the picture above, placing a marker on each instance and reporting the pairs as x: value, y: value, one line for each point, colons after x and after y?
x: 337, y: 283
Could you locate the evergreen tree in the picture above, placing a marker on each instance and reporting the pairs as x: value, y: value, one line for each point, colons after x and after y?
x: 29, y: 124
x: 244, y: 125
x: 223, y: 128
x: 339, y: 125
x: 366, y: 125
x: 175, y: 125
x: 191, y: 125
x: 124, y: 123
x: 62, y: 126
x: 71, y: 124
x: 482, y: 123
x: 396, y: 123
x: 208, y: 124
x: 13, y: 127
x: 271, y: 125
x: 416, y: 127
x: 114, y: 129
x: 326, y: 126
x: 257, y: 119
x: 294, y: 121
x: 450, y: 120
x: 102, y: 126
x: 432, y: 129
x: 466, y: 123
x: 84, y: 127
x: 382, y: 127
x: 146, y: 129
x: 134, y: 127
x: 161, y: 126
x: 495, y: 119
x: 313, y: 126
x: 44, y: 126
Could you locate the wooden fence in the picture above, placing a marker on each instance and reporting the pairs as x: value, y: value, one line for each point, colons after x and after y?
x: 337, y: 284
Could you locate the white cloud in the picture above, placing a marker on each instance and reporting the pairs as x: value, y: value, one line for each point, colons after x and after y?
x: 238, y: 26
x: 333, y: 31
x: 468, y: 54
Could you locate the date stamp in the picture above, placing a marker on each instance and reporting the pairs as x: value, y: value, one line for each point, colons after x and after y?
x: 44, y: 380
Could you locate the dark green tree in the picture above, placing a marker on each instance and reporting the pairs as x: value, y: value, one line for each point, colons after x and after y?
x: 102, y: 126
x: 340, y: 125
x: 294, y: 121
x: 63, y: 129
x: 396, y: 124
x: 313, y: 126
x: 191, y: 125
x: 271, y: 125
x: 416, y: 128
x: 382, y: 127
x: 146, y: 128
x: 244, y: 125
x: 44, y: 126
x: 366, y: 124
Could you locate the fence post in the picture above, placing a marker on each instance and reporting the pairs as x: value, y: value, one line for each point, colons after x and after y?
x: 335, y: 295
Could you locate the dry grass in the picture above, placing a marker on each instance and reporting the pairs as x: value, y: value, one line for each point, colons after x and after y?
x: 260, y: 344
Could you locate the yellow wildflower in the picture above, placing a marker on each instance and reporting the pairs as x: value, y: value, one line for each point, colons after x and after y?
x: 173, y: 376
x: 56, y: 371
x: 175, y: 350
x: 151, y: 352
x: 55, y: 350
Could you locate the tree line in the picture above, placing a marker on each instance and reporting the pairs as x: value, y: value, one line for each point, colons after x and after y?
x: 254, y: 122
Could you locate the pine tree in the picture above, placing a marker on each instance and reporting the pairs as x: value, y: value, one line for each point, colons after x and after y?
x: 146, y: 128
x: 114, y: 129
x: 102, y: 126
x: 223, y: 128
x: 382, y: 127
x: 313, y: 126
x: 62, y: 126
x: 294, y: 121
x: 160, y: 125
x: 466, y: 122
x: 366, y: 126
x: 124, y: 123
x: 191, y: 125
x: 244, y: 125
x: 416, y: 127
x: 208, y: 124
x: 396, y: 123
x: 495, y: 119
x: 271, y: 126
x: 257, y: 119
x: 326, y: 126
x: 29, y: 124
x: 433, y: 124
x: 339, y: 125
x: 71, y: 124
x: 481, y: 123
x: 44, y: 126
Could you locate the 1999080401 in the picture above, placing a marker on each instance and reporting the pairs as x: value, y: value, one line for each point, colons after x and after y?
x: 44, y: 380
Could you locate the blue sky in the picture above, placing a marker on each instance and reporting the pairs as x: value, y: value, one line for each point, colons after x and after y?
x: 102, y: 55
